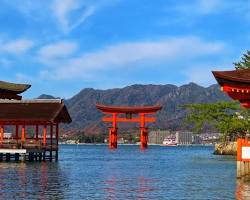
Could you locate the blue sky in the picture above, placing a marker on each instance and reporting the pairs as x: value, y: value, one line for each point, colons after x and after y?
x: 63, y: 46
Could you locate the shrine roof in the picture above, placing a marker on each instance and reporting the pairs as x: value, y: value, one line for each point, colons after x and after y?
x: 239, y: 77
x: 13, y: 88
x: 53, y: 111
x: 128, y: 109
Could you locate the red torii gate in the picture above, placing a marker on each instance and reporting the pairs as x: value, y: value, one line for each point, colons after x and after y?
x: 129, y: 111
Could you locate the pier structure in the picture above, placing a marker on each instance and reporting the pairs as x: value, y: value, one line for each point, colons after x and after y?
x: 29, y: 129
x: 236, y: 84
x: 128, y: 114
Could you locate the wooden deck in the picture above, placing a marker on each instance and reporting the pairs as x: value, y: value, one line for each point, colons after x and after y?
x: 30, y: 149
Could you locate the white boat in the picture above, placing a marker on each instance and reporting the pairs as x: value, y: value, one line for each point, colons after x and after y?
x: 169, y: 141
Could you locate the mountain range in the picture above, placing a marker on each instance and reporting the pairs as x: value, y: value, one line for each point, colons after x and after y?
x: 86, y: 118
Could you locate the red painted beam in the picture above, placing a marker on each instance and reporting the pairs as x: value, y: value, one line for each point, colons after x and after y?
x: 147, y: 119
x: 128, y: 109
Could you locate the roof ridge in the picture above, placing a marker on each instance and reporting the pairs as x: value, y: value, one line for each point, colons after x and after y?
x: 32, y: 101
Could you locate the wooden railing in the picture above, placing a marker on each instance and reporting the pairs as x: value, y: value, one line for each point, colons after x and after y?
x: 29, y: 144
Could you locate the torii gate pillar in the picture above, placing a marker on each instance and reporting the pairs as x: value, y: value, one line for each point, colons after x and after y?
x: 113, y: 138
x: 144, y: 137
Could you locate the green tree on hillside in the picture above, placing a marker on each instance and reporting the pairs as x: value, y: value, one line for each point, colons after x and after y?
x: 227, y: 117
x: 245, y: 63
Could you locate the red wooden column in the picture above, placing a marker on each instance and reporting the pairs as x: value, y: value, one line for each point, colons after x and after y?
x: 113, y: 133
x: 239, y: 146
x: 23, y: 135
x: 1, y: 134
x: 143, y: 132
x: 44, y: 134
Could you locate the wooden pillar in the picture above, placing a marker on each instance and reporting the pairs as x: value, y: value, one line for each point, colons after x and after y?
x: 238, y: 174
x: 1, y: 133
x: 37, y: 131
x: 143, y: 132
x: 239, y: 161
x: 23, y: 135
x: 51, y: 137
x: 7, y: 157
x: 113, y: 133
x: 17, y: 155
x: 144, y: 138
x: 44, y: 135
x: 57, y: 139
x: 110, y: 138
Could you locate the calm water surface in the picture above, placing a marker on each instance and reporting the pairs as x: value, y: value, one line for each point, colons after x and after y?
x: 94, y: 172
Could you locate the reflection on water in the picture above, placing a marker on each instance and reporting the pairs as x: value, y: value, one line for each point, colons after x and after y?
x: 26, y: 180
x: 95, y: 172
x: 243, y: 189
x: 139, y: 188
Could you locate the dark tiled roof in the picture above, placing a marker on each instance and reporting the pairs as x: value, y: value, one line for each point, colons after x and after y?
x: 6, y: 87
x: 34, y: 111
x: 241, y: 77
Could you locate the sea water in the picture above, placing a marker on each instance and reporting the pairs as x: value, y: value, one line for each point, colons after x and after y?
x: 95, y: 172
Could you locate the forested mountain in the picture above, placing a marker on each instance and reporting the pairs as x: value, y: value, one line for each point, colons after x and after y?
x: 88, y: 119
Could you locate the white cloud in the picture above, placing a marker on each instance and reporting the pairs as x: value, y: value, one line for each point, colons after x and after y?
x: 59, y: 50
x: 129, y: 54
x: 18, y: 46
x: 63, y: 12
x: 67, y: 14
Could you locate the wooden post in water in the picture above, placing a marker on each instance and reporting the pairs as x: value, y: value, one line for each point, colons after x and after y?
x: 243, y: 157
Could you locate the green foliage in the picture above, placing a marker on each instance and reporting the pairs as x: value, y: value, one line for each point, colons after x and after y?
x: 245, y: 63
x: 82, y: 138
x: 227, y: 117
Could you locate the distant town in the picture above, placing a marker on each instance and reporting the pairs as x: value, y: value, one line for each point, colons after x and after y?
x: 155, y: 137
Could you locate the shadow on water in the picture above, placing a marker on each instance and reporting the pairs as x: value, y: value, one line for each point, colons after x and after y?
x: 32, y: 181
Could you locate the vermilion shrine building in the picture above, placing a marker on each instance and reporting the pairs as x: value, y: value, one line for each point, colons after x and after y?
x: 142, y: 118
x: 29, y: 127
x: 236, y: 84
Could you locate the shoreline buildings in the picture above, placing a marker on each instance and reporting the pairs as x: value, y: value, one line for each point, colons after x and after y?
x: 182, y: 137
